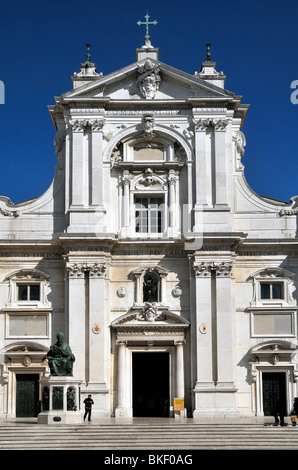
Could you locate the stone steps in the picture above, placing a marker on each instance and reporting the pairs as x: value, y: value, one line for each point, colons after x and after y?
x: 147, y: 437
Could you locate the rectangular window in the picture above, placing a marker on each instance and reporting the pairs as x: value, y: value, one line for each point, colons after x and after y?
x: 272, y: 291
x: 28, y: 292
x: 149, y: 214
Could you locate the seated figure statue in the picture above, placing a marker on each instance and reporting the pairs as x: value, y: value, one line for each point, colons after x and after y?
x: 60, y: 357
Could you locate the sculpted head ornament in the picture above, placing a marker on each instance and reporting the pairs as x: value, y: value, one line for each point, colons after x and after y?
x: 149, y: 79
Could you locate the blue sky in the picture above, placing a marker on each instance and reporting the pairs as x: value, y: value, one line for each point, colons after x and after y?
x: 42, y: 43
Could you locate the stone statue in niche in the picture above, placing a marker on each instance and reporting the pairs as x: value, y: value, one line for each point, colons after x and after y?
x: 150, y: 288
x: 60, y: 358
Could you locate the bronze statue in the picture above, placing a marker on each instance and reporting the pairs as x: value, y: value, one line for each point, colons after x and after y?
x: 60, y: 358
x: 150, y: 289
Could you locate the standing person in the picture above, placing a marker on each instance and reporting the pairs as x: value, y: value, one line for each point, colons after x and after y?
x: 294, y: 412
x: 88, y: 407
x: 280, y: 412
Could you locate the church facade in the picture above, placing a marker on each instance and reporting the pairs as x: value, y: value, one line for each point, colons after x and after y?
x: 169, y: 277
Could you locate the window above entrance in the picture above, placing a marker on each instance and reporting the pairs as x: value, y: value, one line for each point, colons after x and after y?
x: 273, y: 287
x: 27, y: 289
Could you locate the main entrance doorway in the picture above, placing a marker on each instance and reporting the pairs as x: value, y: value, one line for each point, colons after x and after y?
x: 274, y: 389
x: 150, y: 375
x: 27, y: 395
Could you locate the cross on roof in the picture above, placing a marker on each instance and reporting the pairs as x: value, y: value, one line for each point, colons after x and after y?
x: 147, y: 23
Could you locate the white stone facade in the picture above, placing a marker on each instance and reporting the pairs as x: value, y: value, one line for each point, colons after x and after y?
x: 150, y: 240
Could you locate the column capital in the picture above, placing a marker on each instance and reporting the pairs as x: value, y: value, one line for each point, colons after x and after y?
x: 78, y: 125
x: 180, y: 342
x: 97, y: 270
x: 78, y: 270
x: 217, y: 124
x: 221, y: 269
x: 97, y: 124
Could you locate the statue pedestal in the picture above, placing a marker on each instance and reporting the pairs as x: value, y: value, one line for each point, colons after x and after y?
x: 60, y: 401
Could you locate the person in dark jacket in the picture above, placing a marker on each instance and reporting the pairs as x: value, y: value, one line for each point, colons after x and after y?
x: 88, y: 407
x: 295, y: 406
x: 294, y: 412
x: 279, y: 412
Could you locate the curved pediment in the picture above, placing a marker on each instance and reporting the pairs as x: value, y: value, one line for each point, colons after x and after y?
x: 150, y: 314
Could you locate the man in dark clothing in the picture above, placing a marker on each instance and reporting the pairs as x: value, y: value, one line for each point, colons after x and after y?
x: 294, y: 412
x: 88, y: 407
x: 279, y: 412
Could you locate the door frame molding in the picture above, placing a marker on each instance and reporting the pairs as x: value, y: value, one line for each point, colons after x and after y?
x: 273, y: 357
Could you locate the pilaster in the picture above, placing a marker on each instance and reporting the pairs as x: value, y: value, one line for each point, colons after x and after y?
x: 88, y: 326
x: 86, y: 209
x: 221, y: 195
x: 76, y: 304
x: 77, y: 153
x: 215, y: 392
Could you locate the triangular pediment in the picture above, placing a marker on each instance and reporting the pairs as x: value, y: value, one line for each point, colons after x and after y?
x: 124, y: 84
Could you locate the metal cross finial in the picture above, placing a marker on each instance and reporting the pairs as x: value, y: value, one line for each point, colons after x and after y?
x: 147, y: 23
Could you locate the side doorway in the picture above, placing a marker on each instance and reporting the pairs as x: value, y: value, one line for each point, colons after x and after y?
x: 27, y: 395
x: 274, y: 389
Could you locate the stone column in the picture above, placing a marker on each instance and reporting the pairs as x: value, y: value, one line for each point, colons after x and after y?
x: 97, y: 360
x: 203, y: 174
x: 221, y: 195
x: 225, y: 387
x: 202, y: 337
x: 172, y: 201
x: 96, y: 162
x: 125, y: 204
x: 76, y: 304
x: 187, y: 214
x: 98, y: 356
x: 203, y: 321
x: 224, y: 323
x: 78, y: 127
x: 122, y: 409
x: 214, y: 389
x: 179, y: 369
